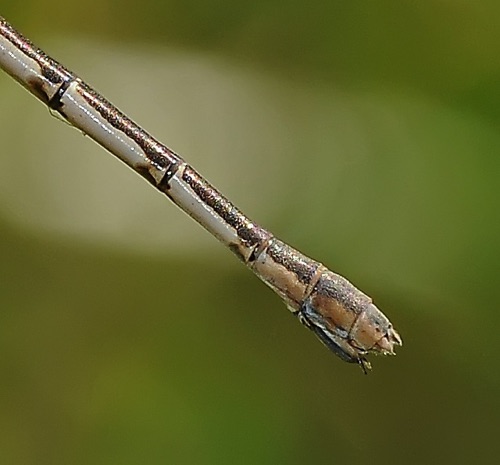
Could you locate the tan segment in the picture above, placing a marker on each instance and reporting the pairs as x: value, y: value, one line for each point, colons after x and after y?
x: 335, y: 313
x: 282, y: 280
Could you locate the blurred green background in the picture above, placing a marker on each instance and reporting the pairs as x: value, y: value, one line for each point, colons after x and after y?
x: 364, y: 133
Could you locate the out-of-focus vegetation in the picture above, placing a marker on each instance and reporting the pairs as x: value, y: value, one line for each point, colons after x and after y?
x: 364, y: 133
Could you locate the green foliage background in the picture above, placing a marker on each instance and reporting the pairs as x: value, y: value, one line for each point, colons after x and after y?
x: 368, y: 137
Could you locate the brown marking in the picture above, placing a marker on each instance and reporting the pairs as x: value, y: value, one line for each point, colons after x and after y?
x: 250, y: 233
x: 302, y: 267
x: 342, y: 290
x: 158, y: 154
x: 36, y: 87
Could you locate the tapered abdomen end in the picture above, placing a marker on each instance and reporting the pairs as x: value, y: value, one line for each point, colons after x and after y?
x: 347, y: 321
x: 340, y: 315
